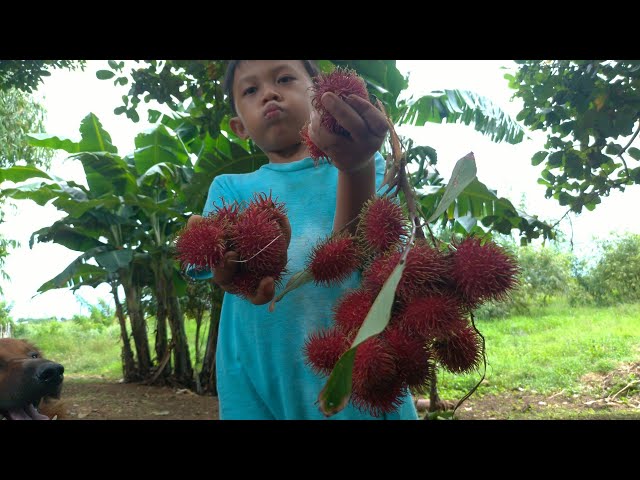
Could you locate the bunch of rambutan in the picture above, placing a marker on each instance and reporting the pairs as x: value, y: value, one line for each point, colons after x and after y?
x: 254, y: 230
x: 430, y: 321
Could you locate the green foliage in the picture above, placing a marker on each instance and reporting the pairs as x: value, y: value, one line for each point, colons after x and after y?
x: 587, y: 108
x: 551, y: 349
x: 616, y: 276
x: 19, y: 116
x: 26, y: 75
x: 546, y: 272
x: 5, y: 316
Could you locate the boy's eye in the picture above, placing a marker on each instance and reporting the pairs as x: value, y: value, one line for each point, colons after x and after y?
x: 285, y: 79
x: 249, y: 91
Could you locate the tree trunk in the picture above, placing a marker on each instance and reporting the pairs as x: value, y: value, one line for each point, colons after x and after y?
x: 138, y: 328
x: 183, y: 371
x: 435, y: 404
x: 129, y: 372
x: 161, y: 329
x: 208, y: 372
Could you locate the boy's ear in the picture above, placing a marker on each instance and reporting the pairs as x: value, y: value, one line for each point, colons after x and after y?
x: 238, y: 128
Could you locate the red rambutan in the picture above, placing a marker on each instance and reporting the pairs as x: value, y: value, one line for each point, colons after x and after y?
x: 351, y: 310
x: 314, y: 151
x: 413, y: 359
x: 342, y: 82
x: 334, y: 259
x: 483, y: 272
x: 382, y: 224
x: 432, y: 315
x: 378, y: 401
x: 377, y: 387
x: 461, y: 351
x: 322, y: 349
x: 260, y: 242
x: 424, y: 272
x: 202, y: 245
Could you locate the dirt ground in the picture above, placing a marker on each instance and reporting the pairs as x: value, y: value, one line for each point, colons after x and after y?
x: 612, y: 396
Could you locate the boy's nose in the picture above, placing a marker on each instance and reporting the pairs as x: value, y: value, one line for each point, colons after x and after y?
x: 270, y: 94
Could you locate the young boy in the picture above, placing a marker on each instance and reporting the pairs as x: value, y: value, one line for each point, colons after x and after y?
x: 260, y: 365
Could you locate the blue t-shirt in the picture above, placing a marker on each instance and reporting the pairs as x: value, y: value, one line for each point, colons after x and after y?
x: 260, y: 365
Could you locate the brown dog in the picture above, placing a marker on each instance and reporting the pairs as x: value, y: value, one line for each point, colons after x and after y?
x: 28, y: 382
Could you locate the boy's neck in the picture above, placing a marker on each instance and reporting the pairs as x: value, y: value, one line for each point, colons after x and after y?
x: 288, y: 155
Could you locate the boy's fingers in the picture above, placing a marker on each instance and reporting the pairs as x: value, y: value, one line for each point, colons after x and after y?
x: 225, y: 271
x: 265, y: 292
x: 193, y: 219
x: 374, y: 118
x: 344, y: 114
x: 286, y: 229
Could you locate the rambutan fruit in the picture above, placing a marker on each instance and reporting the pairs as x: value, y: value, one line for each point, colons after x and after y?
x: 351, y: 310
x: 342, y: 82
x: 277, y: 210
x: 374, y: 365
x: 413, y: 359
x: 323, y: 348
x: 377, y: 387
x: 314, y: 151
x: 459, y: 352
x: 260, y: 242
x: 432, y: 315
x: 424, y: 272
x: 334, y: 259
x: 379, y: 401
x: 202, y: 244
x: 382, y: 224
x: 483, y: 271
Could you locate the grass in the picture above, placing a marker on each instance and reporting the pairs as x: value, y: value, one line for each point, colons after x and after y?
x: 88, y: 350
x: 552, y: 349
x: 544, y: 353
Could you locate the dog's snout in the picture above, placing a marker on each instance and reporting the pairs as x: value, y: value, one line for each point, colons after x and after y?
x: 50, y: 373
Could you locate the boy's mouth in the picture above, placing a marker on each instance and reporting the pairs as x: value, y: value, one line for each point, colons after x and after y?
x: 272, y: 111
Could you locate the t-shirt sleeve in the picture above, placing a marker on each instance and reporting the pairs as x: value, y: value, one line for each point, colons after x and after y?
x: 217, y: 192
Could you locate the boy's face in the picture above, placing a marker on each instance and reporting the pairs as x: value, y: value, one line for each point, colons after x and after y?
x: 273, y: 101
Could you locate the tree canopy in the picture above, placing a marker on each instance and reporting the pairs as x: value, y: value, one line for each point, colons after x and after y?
x: 590, y: 110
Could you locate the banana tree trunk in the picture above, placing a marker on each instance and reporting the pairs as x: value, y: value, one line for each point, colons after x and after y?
x: 183, y: 371
x: 129, y: 372
x: 138, y: 327
x: 161, y: 328
x: 208, y: 372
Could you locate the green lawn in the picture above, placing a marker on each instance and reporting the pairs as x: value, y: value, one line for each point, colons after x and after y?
x: 552, y: 349
x: 544, y: 352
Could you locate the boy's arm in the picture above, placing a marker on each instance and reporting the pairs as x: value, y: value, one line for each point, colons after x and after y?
x: 353, y: 155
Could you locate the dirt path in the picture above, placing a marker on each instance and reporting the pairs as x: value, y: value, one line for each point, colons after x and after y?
x: 612, y: 396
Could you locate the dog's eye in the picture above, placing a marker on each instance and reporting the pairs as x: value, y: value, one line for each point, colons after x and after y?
x: 33, y: 354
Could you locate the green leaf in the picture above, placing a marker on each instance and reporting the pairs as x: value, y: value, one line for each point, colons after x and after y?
x: 161, y: 145
x: 53, y: 141
x: 20, y: 174
x: 539, y: 157
x: 336, y: 392
x: 114, y: 259
x: 462, y: 106
x: 463, y: 174
x: 296, y: 280
x: 94, y: 137
x: 634, y: 152
x: 154, y: 115
x: 105, y: 74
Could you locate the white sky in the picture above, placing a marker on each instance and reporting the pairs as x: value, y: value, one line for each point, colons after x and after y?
x: 69, y: 96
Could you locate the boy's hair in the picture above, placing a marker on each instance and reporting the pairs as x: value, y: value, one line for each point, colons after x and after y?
x: 227, y: 84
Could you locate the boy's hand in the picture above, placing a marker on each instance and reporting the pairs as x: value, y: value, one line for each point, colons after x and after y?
x: 366, y: 124
x: 224, y: 272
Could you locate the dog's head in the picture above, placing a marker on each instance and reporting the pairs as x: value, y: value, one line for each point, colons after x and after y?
x: 27, y: 380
